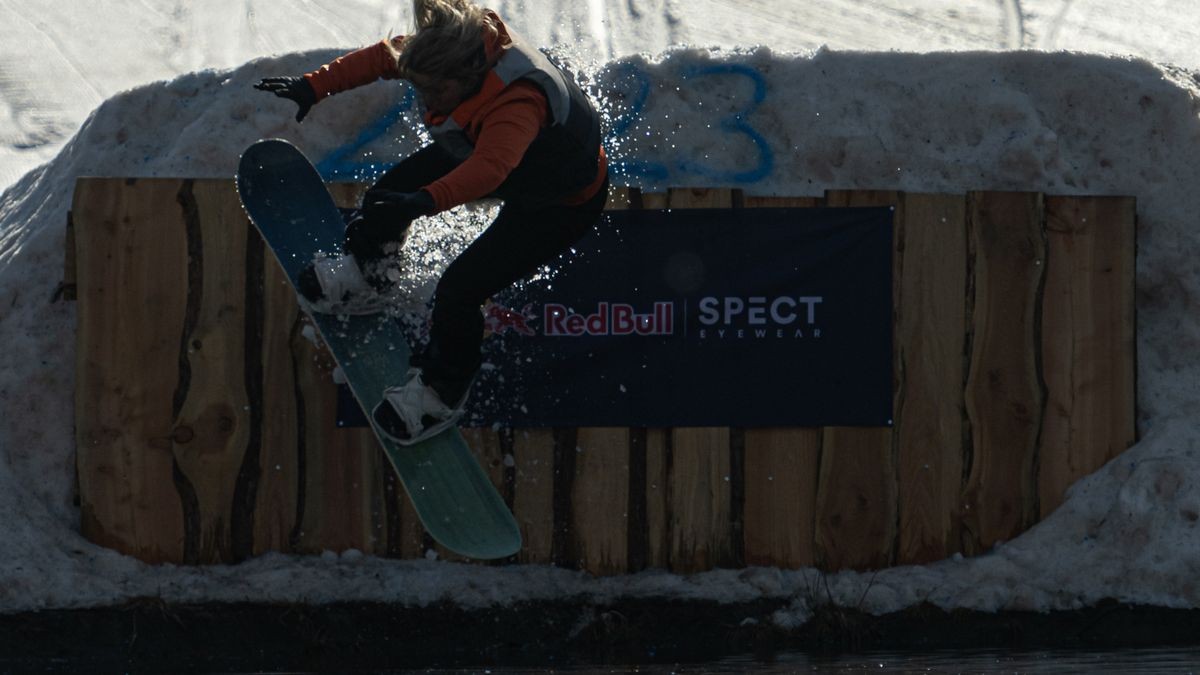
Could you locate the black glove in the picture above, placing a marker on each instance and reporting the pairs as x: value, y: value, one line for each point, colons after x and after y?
x: 294, y: 88
x: 366, y: 239
x: 394, y: 208
x: 384, y: 219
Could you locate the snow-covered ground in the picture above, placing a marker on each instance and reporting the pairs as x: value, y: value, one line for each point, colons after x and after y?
x: 811, y: 118
x: 60, y: 60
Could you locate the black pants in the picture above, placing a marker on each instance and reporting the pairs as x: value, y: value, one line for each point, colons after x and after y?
x: 513, y: 247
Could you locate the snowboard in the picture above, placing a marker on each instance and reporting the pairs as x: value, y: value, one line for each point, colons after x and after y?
x: 287, y: 201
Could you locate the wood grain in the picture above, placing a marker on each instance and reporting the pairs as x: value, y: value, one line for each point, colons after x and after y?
x: 1004, y: 397
x: 131, y: 248
x: 1088, y: 340
x: 600, y: 500
x: 931, y: 340
x: 533, y: 454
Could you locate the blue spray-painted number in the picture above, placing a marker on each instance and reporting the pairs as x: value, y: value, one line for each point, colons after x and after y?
x: 638, y: 92
x: 340, y: 163
x: 736, y: 124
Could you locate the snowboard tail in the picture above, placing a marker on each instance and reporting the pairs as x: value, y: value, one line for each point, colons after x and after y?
x: 288, y: 203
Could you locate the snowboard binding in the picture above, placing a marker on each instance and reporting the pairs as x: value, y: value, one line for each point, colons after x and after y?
x: 415, y: 411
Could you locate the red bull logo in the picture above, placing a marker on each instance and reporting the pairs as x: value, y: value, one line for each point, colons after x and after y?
x: 610, y: 319
x: 498, y: 319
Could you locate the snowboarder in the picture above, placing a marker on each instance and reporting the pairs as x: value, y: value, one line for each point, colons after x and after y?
x: 506, y: 123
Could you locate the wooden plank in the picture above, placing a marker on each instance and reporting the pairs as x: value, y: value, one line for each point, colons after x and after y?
x: 600, y: 489
x: 533, y: 503
x: 658, y: 538
x: 700, y: 497
x: 781, y: 467
x: 637, y: 525
x: 1088, y: 340
x: 856, y: 499
x: 214, y: 425
x: 781, y: 495
x: 131, y: 249
x: 600, y: 500
x: 856, y: 491
x: 931, y: 340
x: 278, y: 499
x: 344, y: 484
x: 1004, y: 398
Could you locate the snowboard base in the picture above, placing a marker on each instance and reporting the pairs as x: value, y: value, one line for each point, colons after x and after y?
x: 288, y: 203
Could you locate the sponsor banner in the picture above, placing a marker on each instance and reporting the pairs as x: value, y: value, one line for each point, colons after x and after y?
x: 704, y: 317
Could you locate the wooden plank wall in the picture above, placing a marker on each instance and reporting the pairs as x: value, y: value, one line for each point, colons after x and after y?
x: 205, y: 412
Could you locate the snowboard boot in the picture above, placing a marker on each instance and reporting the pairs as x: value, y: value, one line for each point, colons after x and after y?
x: 417, y: 410
x: 333, y: 284
x: 377, y: 249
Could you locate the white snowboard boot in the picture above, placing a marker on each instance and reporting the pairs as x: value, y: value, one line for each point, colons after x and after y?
x: 334, y: 284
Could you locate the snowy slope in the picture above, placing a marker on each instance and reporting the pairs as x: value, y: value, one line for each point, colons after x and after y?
x: 59, y: 60
x: 1059, y: 123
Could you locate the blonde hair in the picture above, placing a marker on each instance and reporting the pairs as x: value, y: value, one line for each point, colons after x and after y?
x: 447, y: 43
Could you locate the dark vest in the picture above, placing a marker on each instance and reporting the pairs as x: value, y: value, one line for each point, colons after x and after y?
x: 563, y: 158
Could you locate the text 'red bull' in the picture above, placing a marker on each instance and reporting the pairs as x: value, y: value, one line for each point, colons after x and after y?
x: 610, y: 319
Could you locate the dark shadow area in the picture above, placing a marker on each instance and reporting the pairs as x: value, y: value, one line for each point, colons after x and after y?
x: 150, y: 635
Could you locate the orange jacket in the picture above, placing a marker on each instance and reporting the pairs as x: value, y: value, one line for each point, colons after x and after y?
x: 501, y: 128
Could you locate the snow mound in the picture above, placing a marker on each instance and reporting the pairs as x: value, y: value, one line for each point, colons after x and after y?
x: 781, y: 124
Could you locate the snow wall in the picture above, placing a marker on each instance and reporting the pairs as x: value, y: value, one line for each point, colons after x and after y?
x: 770, y: 124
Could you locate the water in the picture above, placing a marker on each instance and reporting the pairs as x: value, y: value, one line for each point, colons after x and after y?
x: 1131, y: 661
x: 1149, y: 661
